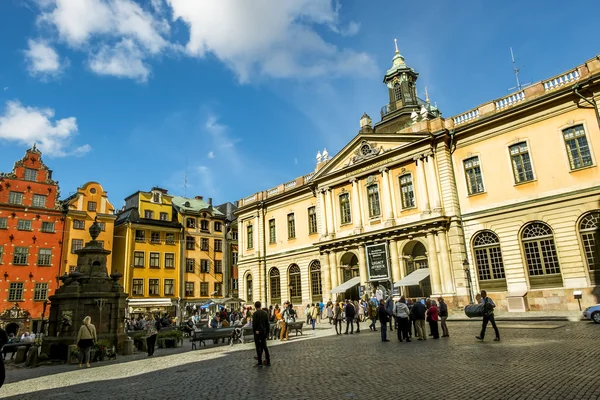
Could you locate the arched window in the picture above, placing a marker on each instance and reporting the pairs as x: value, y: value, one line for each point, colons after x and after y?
x: 488, y: 260
x: 540, y: 255
x: 315, y: 280
x: 190, y: 223
x: 249, y: 288
x: 397, y: 91
x: 275, y: 285
x: 589, y: 229
x: 295, y: 283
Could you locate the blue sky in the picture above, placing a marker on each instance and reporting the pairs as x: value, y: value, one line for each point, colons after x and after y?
x: 242, y: 94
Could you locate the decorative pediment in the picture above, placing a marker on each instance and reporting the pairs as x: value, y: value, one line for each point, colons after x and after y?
x: 15, y: 312
x: 364, y: 151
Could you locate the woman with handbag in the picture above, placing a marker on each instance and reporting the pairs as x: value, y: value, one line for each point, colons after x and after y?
x: 86, y: 337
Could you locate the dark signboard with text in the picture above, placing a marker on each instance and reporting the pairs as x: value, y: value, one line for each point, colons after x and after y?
x: 377, y: 262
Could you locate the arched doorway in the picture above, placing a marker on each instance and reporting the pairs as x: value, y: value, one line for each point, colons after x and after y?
x: 12, y: 328
x: 349, y: 266
x: 415, y: 257
x: 316, y: 287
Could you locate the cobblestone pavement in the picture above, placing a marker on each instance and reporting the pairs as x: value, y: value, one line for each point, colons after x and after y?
x: 557, y: 360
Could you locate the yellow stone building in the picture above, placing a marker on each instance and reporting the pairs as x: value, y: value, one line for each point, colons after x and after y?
x: 503, y: 197
x: 147, y: 251
x: 90, y: 202
x: 203, y: 250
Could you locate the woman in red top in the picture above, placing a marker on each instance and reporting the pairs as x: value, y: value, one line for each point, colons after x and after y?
x: 432, y: 317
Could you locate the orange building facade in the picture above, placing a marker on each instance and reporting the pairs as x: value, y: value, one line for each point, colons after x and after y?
x: 31, y: 227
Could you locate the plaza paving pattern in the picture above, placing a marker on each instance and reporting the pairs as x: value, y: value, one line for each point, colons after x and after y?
x: 559, y: 361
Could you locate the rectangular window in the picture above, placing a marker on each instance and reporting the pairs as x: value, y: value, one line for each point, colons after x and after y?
x: 473, y: 175
x: 190, y: 265
x: 291, y: 226
x: 44, y: 257
x: 48, y: 227
x: 3, y: 223
x: 30, y: 174
x: 234, y: 258
x: 577, y: 147
x: 234, y: 235
x: 154, y: 260
x: 140, y: 235
x: 203, y: 289
x: 148, y: 214
x: 189, y: 289
x: 20, y: 255
x: 39, y: 200
x: 24, y: 225
x: 154, y: 287
x: 190, y: 223
x: 102, y: 226
x: 521, y: 163
x: 15, y: 291
x: 78, y: 224
x: 204, y: 225
x: 407, y: 191
x: 40, y: 291
x: 272, y: 233
x: 138, y: 259
x: 15, y: 198
x: 218, y: 267
x: 164, y: 216
x: 204, y: 244
x: 190, y: 243
x: 1, y: 253
x: 168, y: 287
x: 218, y: 227
x: 218, y: 289
x: 373, y: 196
x: 312, y: 220
x: 169, y: 260
x: 234, y: 283
x: 138, y: 287
x: 345, y: 212
x: 205, y: 266
x: 92, y: 206
x: 170, y: 238
x: 218, y: 245
x: 76, y: 244
x: 250, y: 237
x: 154, y: 237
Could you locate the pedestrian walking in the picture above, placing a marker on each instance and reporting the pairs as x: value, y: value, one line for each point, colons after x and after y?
x: 350, y: 315
x: 357, y: 309
x: 433, y: 317
x: 86, y: 337
x: 152, y: 327
x: 418, y: 312
x: 338, y: 317
x: 307, y: 313
x: 373, y: 315
x: 384, y: 319
x: 314, y: 314
x: 261, y: 327
x: 488, y: 316
x: 443, y: 310
x: 330, y: 312
x: 389, y: 307
x: 401, y: 312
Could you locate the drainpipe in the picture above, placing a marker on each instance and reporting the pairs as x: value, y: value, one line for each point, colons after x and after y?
x: 592, y: 102
x: 264, y: 257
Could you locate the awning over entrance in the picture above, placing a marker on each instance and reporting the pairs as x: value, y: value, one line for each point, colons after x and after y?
x: 149, y: 302
x: 347, y: 285
x: 414, y: 278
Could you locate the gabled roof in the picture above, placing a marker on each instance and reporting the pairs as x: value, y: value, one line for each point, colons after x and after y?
x: 228, y: 209
x: 186, y: 205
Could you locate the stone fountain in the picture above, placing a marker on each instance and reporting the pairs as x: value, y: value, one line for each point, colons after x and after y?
x: 88, y: 290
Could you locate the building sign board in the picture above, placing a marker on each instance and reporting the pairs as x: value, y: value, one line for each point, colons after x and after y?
x: 377, y: 262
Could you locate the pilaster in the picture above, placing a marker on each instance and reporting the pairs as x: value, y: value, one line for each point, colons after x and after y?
x: 434, y: 272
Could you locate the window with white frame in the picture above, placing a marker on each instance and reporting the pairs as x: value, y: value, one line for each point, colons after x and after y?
x: 291, y: 226
x: 154, y: 287
x: 138, y: 259
x: 589, y: 229
x: 190, y: 265
x: 169, y: 260
x: 138, y: 287
x: 249, y: 237
x: 218, y: 266
x: 540, y: 255
x: 15, y: 291
x: 312, y: 220
x: 30, y: 174
x: 345, y: 213
x: 78, y: 224
x: 521, y: 162
x: 40, y: 291
x: 3, y: 223
x: 578, y: 148
x: 204, y: 265
x: 373, y: 198
x: 39, y: 200
x: 189, y: 289
x: 218, y: 245
x: 272, y: 233
x: 168, y: 287
x: 203, y: 289
x: 15, y: 198
x: 407, y: 191
x: 473, y: 175
x: 154, y: 260
x: 76, y: 244
x: 44, y: 257
x: 20, y: 255
x: 24, y: 225
x: 48, y: 227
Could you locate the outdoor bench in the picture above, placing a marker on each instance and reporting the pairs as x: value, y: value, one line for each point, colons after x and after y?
x: 296, y: 326
x: 210, y: 334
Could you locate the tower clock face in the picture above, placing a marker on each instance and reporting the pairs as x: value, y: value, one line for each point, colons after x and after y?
x: 365, y: 149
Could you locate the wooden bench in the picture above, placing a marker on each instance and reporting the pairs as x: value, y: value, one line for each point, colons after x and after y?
x: 296, y: 326
x: 207, y: 334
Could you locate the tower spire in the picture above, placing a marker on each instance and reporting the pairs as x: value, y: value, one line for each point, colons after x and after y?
x: 426, y: 95
x: 396, y: 45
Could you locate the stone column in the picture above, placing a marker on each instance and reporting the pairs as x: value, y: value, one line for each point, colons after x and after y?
x: 422, y: 187
x: 356, y: 214
x: 393, y: 193
x: 362, y: 264
x: 325, y: 277
x: 388, y: 212
x: 323, y: 213
x: 256, y: 229
x: 393, y: 245
x: 434, y: 271
x: 432, y: 187
x: 446, y: 267
x: 329, y: 212
x: 333, y: 270
x: 333, y: 206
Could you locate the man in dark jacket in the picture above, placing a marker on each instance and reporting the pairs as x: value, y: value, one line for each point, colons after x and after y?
x: 260, y: 326
x: 384, y: 319
x: 418, y: 315
x: 389, y: 307
x: 350, y: 314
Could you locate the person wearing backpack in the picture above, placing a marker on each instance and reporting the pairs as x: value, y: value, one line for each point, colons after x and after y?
x: 488, y: 316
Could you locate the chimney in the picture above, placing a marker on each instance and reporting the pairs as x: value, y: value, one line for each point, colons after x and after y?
x: 210, y: 201
x: 236, y: 203
x: 198, y: 197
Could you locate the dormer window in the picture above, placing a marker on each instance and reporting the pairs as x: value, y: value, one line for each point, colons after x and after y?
x: 190, y: 223
x: 156, y: 197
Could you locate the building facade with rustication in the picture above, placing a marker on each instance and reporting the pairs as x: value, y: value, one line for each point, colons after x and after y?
x: 504, y: 197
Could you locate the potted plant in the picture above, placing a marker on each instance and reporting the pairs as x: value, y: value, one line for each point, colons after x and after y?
x: 100, y: 349
x: 74, y: 359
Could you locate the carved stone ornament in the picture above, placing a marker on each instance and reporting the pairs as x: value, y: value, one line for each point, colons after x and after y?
x: 365, y: 151
x: 14, y: 313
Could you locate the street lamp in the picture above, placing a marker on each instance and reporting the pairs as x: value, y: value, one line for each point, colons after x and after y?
x: 468, y: 275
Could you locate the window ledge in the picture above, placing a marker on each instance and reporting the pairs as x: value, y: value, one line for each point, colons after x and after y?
x: 476, y: 194
x: 138, y: 266
x: 346, y: 224
x: 525, y: 182
x: 20, y: 265
x: 154, y: 267
x: 582, y: 168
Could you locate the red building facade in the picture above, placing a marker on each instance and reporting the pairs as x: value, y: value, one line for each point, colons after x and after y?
x: 31, y: 230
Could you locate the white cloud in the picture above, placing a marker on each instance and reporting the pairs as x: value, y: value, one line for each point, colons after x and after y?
x: 124, y: 60
x: 42, y: 59
x: 222, y: 140
x: 206, y: 180
x: 211, y: 154
x: 28, y: 125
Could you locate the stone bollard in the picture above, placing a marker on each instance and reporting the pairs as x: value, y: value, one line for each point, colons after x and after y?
x: 128, y: 347
x: 32, y: 357
x: 21, y: 354
x: 71, y: 349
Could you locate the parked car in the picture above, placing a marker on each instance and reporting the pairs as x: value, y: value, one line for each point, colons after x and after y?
x: 592, y: 313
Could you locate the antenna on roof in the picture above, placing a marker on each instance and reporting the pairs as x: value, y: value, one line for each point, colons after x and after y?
x: 185, y: 180
x: 516, y: 70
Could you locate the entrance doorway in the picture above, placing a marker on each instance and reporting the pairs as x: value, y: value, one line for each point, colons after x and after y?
x: 349, y: 265
x: 415, y: 257
x: 12, y: 328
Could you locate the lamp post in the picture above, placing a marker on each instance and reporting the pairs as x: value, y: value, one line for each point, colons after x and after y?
x: 468, y: 275
x: 100, y: 303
